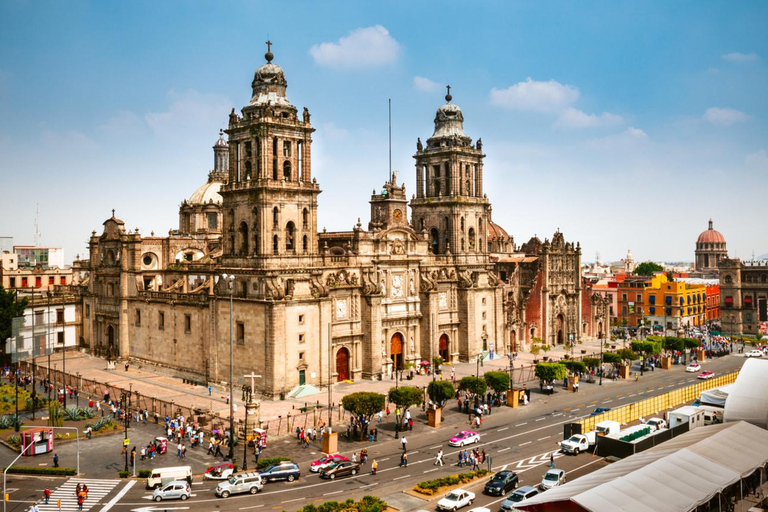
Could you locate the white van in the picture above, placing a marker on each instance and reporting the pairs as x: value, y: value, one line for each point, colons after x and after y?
x: 162, y: 476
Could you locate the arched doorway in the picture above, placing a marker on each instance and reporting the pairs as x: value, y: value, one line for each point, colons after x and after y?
x: 513, y: 341
x: 559, y: 328
x: 445, y: 353
x: 600, y: 329
x: 111, y: 352
x: 396, y: 351
x: 342, y: 364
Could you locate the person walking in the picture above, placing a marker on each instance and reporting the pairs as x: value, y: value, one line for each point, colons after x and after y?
x: 55, y: 460
x: 404, y: 443
x: 47, y: 495
x: 439, y: 458
x: 133, y: 456
x: 404, y: 460
x: 374, y: 466
x: 80, y: 497
x: 551, y: 460
x: 461, y: 459
x: 34, y: 508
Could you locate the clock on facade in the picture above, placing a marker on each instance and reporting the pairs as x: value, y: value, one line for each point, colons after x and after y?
x: 397, y: 214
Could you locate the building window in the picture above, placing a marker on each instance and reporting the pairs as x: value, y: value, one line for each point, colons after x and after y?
x: 187, y: 324
x: 138, y: 317
x: 50, y: 280
x: 240, y: 333
x: 38, y: 317
x: 63, y: 280
x: 13, y: 282
x: 301, y: 319
x: 624, y: 297
x: 728, y: 279
x: 728, y: 301
x: 748, y: 317
x: 624, y: 310
x: 38, y: 282
x: 60, y: 337
x: 286, y: 148
x: 301, y: 338
x: 639, y: 298
x: 301, y: 356
x: 161, y: 320
x: 213, y: 221
x: 87, y: 311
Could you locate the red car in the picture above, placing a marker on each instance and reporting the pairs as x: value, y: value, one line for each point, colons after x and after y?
x: 705, y: 375
x: 324, y: 462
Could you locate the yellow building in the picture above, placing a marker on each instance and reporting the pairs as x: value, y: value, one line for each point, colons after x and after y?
x: 675, y: 304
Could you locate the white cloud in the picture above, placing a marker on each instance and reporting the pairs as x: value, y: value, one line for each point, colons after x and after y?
x: 741, y: 57
x: 758, y: 160
x: 425, y: 84
x: 332, y: 131
x: 551, y: 96
x: 630, y: 138
x: 363, y: 48
x: 190, y: 114
x: 124, y: 121
x: 724, y: 116
x: 575, y: 118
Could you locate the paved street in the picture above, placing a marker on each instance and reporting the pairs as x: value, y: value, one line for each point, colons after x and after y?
x: 521, y: 439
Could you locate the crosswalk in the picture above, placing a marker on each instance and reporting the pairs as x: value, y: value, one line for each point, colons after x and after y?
x: 97, y: 489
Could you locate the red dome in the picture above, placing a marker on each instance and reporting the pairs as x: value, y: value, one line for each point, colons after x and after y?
x: 710, y: 236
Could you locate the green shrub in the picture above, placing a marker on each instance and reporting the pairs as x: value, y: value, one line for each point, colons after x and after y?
x: 145, y: 473
x: 265, y: 463
x: 431, y: 487
x: 367, y: 504
x: 124, y: 474
x: 14, y: 440
x: 25, y: 470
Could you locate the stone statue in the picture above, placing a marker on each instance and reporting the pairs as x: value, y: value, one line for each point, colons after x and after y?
x: 306, y: 115
x: 383, y: 287
x: 419, y: 145
x: 232, y: 118
x: 480, y: 144
x: 411, y: 286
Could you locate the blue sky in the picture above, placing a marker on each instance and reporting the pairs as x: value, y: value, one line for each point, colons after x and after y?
x: 626, y: 125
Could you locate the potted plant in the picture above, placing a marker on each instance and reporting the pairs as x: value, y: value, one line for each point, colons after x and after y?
x: 546, y: 348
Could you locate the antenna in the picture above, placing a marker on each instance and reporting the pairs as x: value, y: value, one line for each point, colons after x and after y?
x: 37, y: 225
x: 390, y: 140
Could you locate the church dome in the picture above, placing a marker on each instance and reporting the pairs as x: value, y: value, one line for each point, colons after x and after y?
x: 208, y: 193
x: 496, y: 232
x: 269, y: 84
x: 221, y: 143
x: 449, y: 125
x: 710, y: 236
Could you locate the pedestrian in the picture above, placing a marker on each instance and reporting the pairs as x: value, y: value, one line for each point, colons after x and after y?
x: 475, y: 463
x: 387, y: 411
x: 133, y: 456
x: 178, y: 449
x: 210, y: 390
x: 375, y: 435
x: 380, y: 416
x: 404, y: 460
x: 354, y: 457
x: 461, y: 459
x: 80, y: 498
x: 439, y: 458
x: 218, y: 453
x: 143, y: 452
x: 363, y: 456
x: 404, y: 443
x: 374, y: 466
x: 34, y: 508
x: 183, y: 451
x: 126, y: 369
x: 55, y: 460
x: 410, y: 424
x: 482, y: 456
x: 551, y: 460
x: 47, y: 495
x: 210, y: 446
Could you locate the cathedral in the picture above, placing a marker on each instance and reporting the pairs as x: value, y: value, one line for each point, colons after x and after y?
x: 310, y: 308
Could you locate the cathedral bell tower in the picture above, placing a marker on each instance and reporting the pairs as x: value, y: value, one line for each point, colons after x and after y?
x: 449, y: 204
x: 270, y: 199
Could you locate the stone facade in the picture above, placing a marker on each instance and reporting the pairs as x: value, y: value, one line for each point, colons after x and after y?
x: 744, y: 295
x: 710, y: 250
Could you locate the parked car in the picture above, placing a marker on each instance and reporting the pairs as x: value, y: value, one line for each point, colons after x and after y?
x: 656, y: 424
x: 340, y: 469
x: 693, y: 367
x: 464, y: 437
x: 552, y: 478
x: 754, y: 353
x: 176, y: 490
x: 519, y: 495
x: 600, y: 410
x: 220, y: 471
x: 501, y: 483
x: 705, y: 375
x: 240, y: 483
x: 456, y: 499
x: 324, y: 462
x: 283, y: 471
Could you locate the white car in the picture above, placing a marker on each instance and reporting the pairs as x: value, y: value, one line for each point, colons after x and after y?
x: 456, y: 499
x: 693, y: 367
x: 754, y: 353
x: 656, y: 424
x: 552, y: 478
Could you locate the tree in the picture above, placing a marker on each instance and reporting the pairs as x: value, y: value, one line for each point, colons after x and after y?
x: 405, y: 397
x: 647, y: 268
x: 592, y: 361
x: 474, y: 385
x: 497, y: 381
x: 611, y: 358
x: 646, y: 348
x: 362, y: 406
x: 437, y: 362
x: 440, y: 391
x: 10, y: 307
x: 627, y: 354
x: 550, y: 371
x: 575, y: 366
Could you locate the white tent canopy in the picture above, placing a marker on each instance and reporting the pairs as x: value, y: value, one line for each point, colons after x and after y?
x: 716, y: 396
x: 679, y: 474
x: 748, y: 399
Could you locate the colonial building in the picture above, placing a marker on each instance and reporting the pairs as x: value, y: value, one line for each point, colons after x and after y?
x: 744, y: 295
x: 710, y: 250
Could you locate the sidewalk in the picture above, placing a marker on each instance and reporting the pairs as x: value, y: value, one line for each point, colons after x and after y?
x: 154, y: 383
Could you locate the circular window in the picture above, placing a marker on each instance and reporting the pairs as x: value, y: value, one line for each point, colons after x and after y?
x: 147, y: 260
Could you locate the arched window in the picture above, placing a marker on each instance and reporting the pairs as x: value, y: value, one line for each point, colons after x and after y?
x: 305, y: 243
x: 445, y: 223
x: 462, y: 224
x: 255, y: 243
x: 231, y: 220
x: 287, y: 170
x: 434, y: 239
x: 421, y: 224
x: 247, y: 170
x: 274, y: 158
x: 462, y: 245
x: 728, y: 279
x: 471, y: 239
x: 275, y: 216
x: 305, y: 219
x: 275, y: 242
x: 289, y: 229
x: 243, y: 238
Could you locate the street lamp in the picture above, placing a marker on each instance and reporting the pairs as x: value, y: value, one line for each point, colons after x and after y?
x: 229, y: 279
x: 124, y: 401
x: 478, y: 364
x: 397, y: 416
x: 247, y: 391
x: 601, y: 357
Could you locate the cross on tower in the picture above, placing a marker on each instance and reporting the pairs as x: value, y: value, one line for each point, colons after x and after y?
x: 448, y: 96
x: 269, y: 45
x: 252, y: 376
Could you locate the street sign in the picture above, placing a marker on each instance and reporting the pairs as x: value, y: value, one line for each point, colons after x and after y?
x: 126, y: 442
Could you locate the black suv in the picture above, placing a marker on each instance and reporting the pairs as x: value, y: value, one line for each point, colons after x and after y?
x: 283, y: 471
x: 501, y: 483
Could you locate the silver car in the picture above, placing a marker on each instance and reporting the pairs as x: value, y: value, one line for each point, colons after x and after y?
x: 240, y: 483
x: 553, y: 478
x: 176, y: 490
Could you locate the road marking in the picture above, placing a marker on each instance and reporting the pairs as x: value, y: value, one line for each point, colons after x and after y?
x: 199, y: 483
x: 525, y: 443
x: 521, y: 424
x: 401, y: 477
x: 640, y: 392
x: 566, y: 408
x: 501, y: 429
x: 558, y: 414
x: 257, y: 506
x: 505, y: 449
x: 117, y: 498
x: 334, y: 492
x: 580, y: 405
x: 436, y: 446
x: 369, y: 485
x: 296, y: 499
x: 382, y: 460
x: 543, y: 438
x: 608, y: 401
x: 593, y: 402
x: 574, y: 410
x: 633, y: 394
x: 539, y: 419
x: 430, y: 470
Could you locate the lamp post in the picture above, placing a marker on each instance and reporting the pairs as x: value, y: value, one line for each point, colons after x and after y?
x: 247, y: 399
x: 47, y: 342
x: 229, y: 279
x: 397, y: 416
x: 478, y: 364
x: 601, y: 358
x: 124, y: 402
